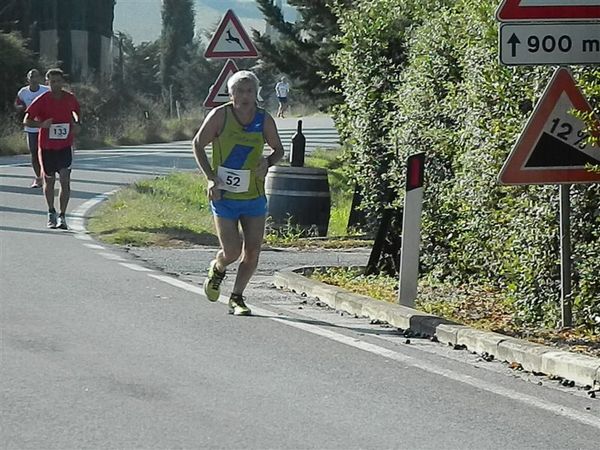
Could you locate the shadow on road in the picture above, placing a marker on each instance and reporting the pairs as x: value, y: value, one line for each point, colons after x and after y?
x: 29, y: 230
x: 382, y: 332
x: 22, y: 210
x: 30, y: 191
x: 73, y: 180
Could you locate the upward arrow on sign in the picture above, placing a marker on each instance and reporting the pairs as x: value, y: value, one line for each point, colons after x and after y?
x: 541, y: 10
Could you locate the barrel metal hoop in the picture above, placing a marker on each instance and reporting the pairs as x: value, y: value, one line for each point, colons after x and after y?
x: 297, y: 193
x: 301, y: 177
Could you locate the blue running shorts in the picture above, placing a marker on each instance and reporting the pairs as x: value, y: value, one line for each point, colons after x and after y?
x: 234, y: 209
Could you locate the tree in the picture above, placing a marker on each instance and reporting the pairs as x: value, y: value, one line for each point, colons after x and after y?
x: 15, y: 60
x: 303, y: 49
x: 140, y: 67
x: 176, y: 38
x: 195, y: 75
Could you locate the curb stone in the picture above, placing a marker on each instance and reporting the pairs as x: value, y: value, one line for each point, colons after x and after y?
x: 528, y: 354
x: 582, y: 369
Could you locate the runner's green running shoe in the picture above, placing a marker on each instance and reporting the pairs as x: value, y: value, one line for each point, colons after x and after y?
x: 212, y: 285
x: 237, y: 307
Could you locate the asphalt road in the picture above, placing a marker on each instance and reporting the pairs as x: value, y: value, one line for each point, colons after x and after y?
x: 103, y: 347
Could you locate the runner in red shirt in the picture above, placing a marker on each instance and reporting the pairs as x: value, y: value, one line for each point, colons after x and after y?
x: 56, y: 114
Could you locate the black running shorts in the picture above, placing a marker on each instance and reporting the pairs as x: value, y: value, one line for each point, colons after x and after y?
x: 54, y: 161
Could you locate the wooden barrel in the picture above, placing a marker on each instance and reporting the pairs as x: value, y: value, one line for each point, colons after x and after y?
x: 298, y: 196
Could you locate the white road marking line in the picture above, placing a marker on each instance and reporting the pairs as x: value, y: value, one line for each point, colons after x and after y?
x: 179, y: 284
x: 554, y: 408
x: 528, y: 400
x: 94, y: 246
x: 111, y: 256
x: 82, y: 237
x: 136, y: 267
x: 77, y: 217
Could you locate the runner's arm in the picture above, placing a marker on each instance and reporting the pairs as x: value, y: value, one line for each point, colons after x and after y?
x: 20, y: 105
x: 272, y: 139
x: 76, y: 115
x: 208, y: 132
x: 29, y: 122
x: 33, y: 112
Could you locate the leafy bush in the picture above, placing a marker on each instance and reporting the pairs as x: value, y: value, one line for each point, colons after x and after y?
x: 424, y: 77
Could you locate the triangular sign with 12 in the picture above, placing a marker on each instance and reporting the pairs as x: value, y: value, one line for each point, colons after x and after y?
x: 218, y: 94
x: 555, y: 147
x: 230, y: 40
x: 548, y: 10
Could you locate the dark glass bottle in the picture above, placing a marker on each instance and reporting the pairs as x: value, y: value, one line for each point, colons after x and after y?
x: 298, y: 147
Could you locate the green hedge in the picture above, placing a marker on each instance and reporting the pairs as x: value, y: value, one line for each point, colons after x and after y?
x: 423, y: 76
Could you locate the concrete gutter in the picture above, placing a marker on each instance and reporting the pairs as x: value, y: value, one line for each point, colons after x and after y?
x: 582, y: 369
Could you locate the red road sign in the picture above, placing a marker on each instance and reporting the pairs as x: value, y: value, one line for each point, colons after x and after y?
x: 230, y: 40
x: 554, y: 146
x: 542, y: 10
x: 218, y: 94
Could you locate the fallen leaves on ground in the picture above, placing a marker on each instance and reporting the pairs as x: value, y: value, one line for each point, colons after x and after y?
x: 480, y: 307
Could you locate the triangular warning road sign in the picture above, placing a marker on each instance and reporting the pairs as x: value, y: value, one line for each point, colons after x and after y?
x: 218, y: 94
x: 554, y: 146
x: 230, y: 40
x: 542, y: 10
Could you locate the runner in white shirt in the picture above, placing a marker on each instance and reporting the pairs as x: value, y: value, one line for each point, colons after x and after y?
x: 25, y: 97
x: 281, y: 89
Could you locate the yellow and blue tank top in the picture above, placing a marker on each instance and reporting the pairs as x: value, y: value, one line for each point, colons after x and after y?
x: 241, y: 147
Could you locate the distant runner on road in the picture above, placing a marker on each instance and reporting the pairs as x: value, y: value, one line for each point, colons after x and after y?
x: 56, y: 113
x: 26, y: 96
x: 282, y: 89
x: 236, y: 182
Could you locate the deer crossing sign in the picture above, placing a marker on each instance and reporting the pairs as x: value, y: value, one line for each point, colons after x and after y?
x: 230, y: 40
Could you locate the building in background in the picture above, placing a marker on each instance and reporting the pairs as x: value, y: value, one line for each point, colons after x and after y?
x: 75, y: 34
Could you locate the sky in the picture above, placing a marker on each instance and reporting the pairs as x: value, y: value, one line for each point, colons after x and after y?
x: 141, y: 18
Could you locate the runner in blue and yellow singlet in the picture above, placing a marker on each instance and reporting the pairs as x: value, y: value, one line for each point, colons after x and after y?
x: 238, y: 131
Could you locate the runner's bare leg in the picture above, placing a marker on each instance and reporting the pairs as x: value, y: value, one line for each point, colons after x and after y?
x: 49, y: 191
x: 231, y: 242
x: 65, y: 189
x: 253, y: 229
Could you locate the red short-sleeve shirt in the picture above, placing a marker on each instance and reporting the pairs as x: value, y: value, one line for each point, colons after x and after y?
x: 60, y: 110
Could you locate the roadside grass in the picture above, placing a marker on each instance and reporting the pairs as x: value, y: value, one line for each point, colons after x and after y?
x: 481, y: 307
x: 165, y: 211
x: 173, y: 210
x: 12, y: 139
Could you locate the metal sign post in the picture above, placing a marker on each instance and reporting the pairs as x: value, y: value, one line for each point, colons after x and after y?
x: 565, y: 256
x: 411, y: 230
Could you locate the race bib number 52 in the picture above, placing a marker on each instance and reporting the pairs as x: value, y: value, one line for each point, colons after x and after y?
x: 59, y: 130
x: 234, y: 180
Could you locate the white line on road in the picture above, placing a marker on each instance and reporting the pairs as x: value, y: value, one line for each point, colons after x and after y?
x: 528, y: 400
x: 136, y: 267
x: 82, y: 236
x: 112, y: 256
x: 94, y: 246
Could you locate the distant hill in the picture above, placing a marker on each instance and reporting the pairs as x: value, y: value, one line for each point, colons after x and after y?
x: 141, y: 18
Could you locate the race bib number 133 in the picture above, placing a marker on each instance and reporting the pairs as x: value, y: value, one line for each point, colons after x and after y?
x: 59, y: 130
